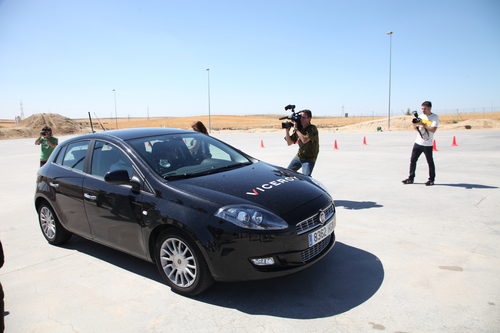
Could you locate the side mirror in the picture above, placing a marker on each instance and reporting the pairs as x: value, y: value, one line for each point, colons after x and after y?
x: 120, y: 177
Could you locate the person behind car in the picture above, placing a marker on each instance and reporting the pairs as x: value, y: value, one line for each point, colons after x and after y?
x: 424, y: 143
x: 199, y: 127
x: 308, y: 140
x: 47, y: 144
x: 199, y: 148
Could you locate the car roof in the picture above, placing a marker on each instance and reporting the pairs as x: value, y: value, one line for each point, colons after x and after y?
x: 134, y: 133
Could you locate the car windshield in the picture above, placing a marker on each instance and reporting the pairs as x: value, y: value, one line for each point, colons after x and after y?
x: 187, y: 155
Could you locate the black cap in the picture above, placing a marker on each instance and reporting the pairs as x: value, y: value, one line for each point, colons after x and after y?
x: 427, y: 103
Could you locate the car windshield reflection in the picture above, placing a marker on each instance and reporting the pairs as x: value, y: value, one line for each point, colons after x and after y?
x: 187, y: 155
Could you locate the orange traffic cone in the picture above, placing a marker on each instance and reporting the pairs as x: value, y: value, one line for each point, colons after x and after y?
x: 262, y: 143
x: 364, y: 141
x: 454, y: 143
x: 335, y: 145
x: 434, y: 147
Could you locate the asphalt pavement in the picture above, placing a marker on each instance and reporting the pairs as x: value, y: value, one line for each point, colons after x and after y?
x: 408, y: 258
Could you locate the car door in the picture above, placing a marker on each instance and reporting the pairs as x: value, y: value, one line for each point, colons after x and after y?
x: 114, y: 212
x: 66, y: 182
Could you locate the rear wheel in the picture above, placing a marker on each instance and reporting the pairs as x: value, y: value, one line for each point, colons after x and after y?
x: 52, y: 229
x: 181, y: 264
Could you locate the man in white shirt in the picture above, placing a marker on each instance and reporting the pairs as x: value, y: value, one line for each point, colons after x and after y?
x: 426, y: 128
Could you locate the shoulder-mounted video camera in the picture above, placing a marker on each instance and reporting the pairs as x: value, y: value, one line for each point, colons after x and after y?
x: 295, y: 117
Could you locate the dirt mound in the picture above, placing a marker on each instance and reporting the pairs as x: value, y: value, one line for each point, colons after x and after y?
x: 474, y: 124
x: 403, y: 123
x: 60, y: 125
x: 398, y: 123
x: 31, y: 126
x: 12, y: 133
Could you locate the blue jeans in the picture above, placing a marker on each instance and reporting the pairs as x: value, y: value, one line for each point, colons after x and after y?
x: 307, y: 166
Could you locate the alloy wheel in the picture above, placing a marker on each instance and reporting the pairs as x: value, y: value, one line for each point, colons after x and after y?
x: 178, y: 262
x: 48, y: 223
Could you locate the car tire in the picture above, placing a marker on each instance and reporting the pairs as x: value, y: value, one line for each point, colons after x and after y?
x: 181, y: 264
x: 51, y: 228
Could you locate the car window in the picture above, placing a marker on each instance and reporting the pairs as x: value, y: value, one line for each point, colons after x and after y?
x: 59, y: 158
x: 107, y: 157
x: 187, y: 155
x: 148, y: 145
x: 218, y: 153
x: 75, y: 155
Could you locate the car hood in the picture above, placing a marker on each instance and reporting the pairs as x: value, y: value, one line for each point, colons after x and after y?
x: 273, y: 188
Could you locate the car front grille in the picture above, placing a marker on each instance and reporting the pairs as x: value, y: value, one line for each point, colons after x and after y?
x: 316, y: 249
x: 313, y: 221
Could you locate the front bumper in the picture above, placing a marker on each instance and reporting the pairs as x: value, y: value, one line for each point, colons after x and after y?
x: 230, y: 256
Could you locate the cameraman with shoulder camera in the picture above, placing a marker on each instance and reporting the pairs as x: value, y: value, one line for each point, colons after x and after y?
x: 308, y: 139
x: 47, y: 144
x: 426, y: 125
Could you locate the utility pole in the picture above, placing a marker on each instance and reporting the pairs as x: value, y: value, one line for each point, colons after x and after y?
x: 116, y: 115
x: 390, y: 68
x: 209, y: 120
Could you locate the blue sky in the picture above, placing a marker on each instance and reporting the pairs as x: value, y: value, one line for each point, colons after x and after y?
x: 66, y: 56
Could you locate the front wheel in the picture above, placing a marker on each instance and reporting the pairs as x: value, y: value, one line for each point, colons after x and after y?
x: 52, y: 229
x: 180, y: 263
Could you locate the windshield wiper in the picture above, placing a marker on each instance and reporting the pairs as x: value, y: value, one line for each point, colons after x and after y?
x: 180, y: 176
x: 204, y: 173
x: 229, y: 167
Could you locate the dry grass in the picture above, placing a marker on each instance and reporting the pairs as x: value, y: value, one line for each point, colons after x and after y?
x: 250, y: 122
x: 457, y: 117
x: 262, y: 121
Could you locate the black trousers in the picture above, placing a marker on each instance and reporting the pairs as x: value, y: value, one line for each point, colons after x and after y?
x: 2, y: 310
x: 415, y: 154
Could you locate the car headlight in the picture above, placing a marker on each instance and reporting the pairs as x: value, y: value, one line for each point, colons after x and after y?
x: 251, y: 217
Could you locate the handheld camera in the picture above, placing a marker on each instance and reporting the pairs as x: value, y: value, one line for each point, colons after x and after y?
x: 295, y: 117
x: 417, y: 119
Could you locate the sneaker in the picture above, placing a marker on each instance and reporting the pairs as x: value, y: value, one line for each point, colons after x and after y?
x: 408, y: 181
x: 429, y: 183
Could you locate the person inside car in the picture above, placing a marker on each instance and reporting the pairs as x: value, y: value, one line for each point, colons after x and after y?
x: 199, y: 149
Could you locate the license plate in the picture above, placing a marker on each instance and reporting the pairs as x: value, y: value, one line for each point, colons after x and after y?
x: 320, y: 234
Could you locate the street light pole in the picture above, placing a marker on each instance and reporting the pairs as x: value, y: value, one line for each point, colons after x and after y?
x: 209, y: 121
x: 390, y: 67
x: 116, y: 115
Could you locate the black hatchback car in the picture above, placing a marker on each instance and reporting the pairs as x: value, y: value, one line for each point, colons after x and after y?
x: 198, y: 208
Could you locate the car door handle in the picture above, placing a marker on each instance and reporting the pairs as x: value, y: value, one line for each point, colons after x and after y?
x: 54, y: 185
x: 90, y: 197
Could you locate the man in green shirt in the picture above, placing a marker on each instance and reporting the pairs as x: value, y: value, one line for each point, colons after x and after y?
x: 47, y: 143
x: 308, y: 140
